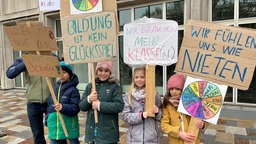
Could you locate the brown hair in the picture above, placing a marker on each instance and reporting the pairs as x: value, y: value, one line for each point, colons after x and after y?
x: 166, y: 99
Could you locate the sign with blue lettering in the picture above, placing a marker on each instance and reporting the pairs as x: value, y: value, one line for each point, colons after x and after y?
x: 151, y: 41
x: 218, y: 53
x: 89, y: 37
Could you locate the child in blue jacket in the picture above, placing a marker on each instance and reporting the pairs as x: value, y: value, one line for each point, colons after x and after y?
x: 68, y: 99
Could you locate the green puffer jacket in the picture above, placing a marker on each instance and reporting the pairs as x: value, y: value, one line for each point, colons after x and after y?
x: 111, y: 103
x: 71, y: 123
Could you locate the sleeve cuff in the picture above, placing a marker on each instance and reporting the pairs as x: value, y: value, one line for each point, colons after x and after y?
x: 141, y: 115
x: 88, y: 99
x: 99, y: 107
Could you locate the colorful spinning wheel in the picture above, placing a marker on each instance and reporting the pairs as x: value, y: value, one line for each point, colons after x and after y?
x: 84, y: 5
x: 202, y: 99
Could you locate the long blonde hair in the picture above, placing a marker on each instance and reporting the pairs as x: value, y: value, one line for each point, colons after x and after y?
x: 132, y: 86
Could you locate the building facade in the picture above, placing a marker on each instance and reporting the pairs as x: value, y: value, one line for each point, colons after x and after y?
x: 240, y: 13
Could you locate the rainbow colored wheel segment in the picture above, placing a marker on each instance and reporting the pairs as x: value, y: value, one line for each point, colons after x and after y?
x: 84, y: 5
x: 202, y: 99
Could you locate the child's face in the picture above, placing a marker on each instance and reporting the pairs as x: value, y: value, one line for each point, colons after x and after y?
x: 175, y: 93
x: 64, y: 77
x: 103, y: 74
x: 139, y: 79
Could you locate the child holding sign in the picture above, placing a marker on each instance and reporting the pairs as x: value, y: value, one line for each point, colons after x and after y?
x: 174, y: 123
x: 68, y: 98
x: 142, y: 129
x: 107, y: 99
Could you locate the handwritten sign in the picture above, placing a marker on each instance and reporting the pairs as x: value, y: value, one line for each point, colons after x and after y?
x: 49, y: 5
x: 89, y: 37
x: 36, y: 38
x: 218, y: 53
x: 85, y: 6
x: 151, y: 41
x: 202, y: 99
x: 42, y: 65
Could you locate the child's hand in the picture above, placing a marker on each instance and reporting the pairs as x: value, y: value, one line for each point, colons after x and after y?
x: 200, y: 124
x: 58, y: 107
x: 95, y: 104
x: 155, y: 109
x: 93, y: 96
x: 188, y: 138
x: 145, y: 114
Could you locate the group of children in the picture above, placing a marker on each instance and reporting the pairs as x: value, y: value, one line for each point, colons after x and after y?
x: 108, y: 101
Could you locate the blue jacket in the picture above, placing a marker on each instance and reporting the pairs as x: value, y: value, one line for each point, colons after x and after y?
x: 68, y: 95
x: 37, y: 88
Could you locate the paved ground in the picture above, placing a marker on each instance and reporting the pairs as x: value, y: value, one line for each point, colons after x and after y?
x: 234, y: 126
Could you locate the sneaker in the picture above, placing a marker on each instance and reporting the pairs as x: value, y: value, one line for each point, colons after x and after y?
x: 2, y: 134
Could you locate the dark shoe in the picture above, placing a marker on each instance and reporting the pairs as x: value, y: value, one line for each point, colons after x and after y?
x: 2, y: 134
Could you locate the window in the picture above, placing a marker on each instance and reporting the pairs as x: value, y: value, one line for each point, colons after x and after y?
x: 222, y: 9
x: 124, y: 17
x: 247, y: 8
x: 153, y: 11
x: 175, y: 11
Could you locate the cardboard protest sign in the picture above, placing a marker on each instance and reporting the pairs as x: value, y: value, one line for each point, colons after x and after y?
x: 41, y: 65
x: 218, y: 53
x: 109, y: 5
x: 89, y: 38
x: 35, y: 38
x: 151, y: 41
x: 202, y: 99
x: 49, y: 5
x: 85, y: 6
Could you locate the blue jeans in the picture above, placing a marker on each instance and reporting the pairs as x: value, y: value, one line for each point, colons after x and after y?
x: 71, y: 141
x: 36, y: 113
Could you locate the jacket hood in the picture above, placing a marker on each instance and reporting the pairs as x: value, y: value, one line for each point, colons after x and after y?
x: 72, y: 82
x: 110, y: 80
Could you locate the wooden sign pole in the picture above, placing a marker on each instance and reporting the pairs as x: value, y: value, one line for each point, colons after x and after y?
x: 55, y: 102
x: 150, y: 89
x: 192, y: 129
x: 94, y: 89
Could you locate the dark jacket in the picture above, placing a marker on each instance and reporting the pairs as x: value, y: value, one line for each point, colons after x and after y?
x: 37, y: 88
x: 111, y: 103
x: 68, y: 95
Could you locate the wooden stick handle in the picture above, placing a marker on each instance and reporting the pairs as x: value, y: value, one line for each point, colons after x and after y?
x: 150, y: 89
x: 94, y: 89
x: 55, y: 101
x: 192, y: 129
